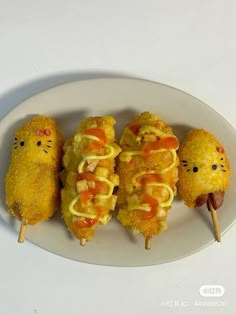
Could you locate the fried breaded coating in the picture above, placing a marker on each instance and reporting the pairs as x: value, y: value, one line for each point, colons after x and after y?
x: 147, y: 167
x: 88, y: 176
x: 33, y: 180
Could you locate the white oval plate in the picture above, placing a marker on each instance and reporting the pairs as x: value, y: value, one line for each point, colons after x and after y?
x: 189, y: 229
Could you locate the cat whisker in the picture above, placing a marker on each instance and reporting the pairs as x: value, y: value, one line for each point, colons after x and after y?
x: 45, y: 151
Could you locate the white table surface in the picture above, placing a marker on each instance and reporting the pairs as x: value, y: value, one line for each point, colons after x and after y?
x: 188, y: 44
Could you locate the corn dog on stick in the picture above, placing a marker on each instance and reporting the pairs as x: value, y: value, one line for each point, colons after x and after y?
x: 32, y: 181
x: 204, y: 172
x: 88, y: 177
x: 147, y: 167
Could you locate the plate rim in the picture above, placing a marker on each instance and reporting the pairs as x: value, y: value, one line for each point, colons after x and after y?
x: 118, y: 78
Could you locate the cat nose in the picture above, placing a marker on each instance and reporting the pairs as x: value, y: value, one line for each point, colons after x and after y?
x: 195, y: 169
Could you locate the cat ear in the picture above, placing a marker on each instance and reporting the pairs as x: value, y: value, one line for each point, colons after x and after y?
x: 220, y: 149
x: 40, y: 132
x: 45, y: 132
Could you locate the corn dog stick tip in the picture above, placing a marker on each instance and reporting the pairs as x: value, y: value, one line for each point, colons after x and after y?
x: 215, y: 221
x: 83, y: 241
x: 21, y: 237
x: 148, y: 242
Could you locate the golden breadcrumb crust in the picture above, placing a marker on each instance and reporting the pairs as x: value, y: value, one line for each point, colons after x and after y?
x: 73, y: 155
x: 133, y: 219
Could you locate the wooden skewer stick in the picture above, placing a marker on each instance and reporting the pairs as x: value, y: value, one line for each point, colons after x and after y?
x: 21, y: 237
x: 148, y: 242
x: 83, y: 241
x: 215, y: 221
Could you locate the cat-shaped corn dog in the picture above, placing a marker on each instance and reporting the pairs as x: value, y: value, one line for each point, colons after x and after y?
x: 204, y: 169
x: 32, y: 181
x: 204, y: 172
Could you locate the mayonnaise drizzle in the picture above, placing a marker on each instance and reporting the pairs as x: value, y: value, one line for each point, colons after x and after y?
x: 127, y: 156
x: 90, y: 156
x: 168, y: 202
x: 86, y: 157
x: 134, y: 179
x: 151, y: 129
x: 98, y: 196
x: 77, y: 213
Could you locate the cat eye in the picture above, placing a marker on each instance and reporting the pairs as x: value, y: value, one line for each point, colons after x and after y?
x: 39, y: 143
x: 214, y: 167
x: 22, y: 143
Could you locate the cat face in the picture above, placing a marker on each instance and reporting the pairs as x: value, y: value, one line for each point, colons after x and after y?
x: 204, y: 167
x: 212, y: 165
x: 23, y: 142
x: 36, y: 141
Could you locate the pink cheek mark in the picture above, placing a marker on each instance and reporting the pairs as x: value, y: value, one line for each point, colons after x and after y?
x: 220, y: 150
